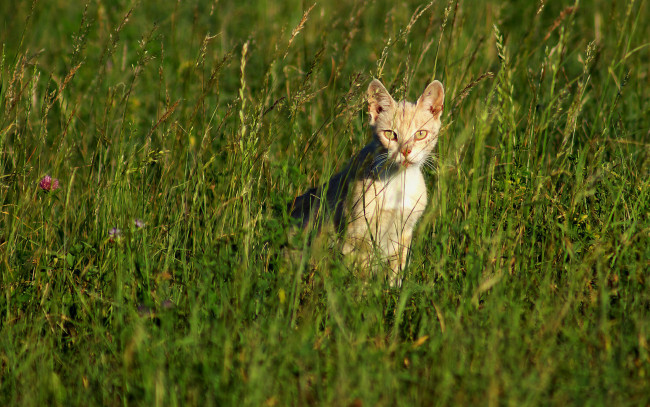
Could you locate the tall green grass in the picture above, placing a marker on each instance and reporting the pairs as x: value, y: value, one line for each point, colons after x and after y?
x: 528, y: 279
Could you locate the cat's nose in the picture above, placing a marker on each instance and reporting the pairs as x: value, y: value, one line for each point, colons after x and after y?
x: 406, y: 151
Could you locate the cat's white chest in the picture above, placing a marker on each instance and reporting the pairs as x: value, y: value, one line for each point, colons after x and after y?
x: 403, y: 192
x: 386, y: 212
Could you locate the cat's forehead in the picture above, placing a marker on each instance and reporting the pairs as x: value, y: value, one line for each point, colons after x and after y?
x: 406, y: 115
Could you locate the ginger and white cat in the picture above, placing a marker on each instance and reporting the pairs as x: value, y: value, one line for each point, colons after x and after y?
x: 377, y: 199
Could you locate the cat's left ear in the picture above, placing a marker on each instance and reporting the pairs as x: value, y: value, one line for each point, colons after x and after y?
x: 433, y: 99
x: 379, y: 100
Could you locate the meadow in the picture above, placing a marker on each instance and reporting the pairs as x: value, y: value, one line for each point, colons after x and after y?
x: 152, y: 271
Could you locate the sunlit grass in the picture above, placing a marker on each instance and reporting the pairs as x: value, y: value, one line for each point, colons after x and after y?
x: 156, y: 272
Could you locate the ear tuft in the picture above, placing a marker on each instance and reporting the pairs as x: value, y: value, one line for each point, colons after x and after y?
x: 433, y: 99
x: 379, y: 100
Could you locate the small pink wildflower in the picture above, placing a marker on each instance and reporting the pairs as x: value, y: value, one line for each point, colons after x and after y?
x: 114, y: 234
x: 48, y: 184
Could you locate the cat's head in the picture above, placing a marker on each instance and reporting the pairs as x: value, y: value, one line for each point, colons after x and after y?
x: 408, y: 131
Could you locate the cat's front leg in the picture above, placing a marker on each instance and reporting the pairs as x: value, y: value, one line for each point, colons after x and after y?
x: 398, y: 262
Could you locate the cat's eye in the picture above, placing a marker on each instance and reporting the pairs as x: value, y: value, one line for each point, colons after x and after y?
x: 390, y: 135
x: 421, y: 135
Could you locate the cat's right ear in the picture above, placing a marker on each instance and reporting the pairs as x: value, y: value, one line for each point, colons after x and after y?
x: 433, y: 99
x: 379, y: 100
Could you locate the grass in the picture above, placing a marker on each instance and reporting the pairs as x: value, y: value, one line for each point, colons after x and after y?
x: 528, y: 281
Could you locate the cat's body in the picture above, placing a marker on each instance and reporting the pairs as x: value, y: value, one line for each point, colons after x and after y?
x: 377, y: 199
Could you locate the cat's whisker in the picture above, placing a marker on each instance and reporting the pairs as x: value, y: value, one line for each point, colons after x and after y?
x: 432, y: 159
x: 431, y: 162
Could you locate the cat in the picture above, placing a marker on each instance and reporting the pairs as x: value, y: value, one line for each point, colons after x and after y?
x: 378, y: 197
